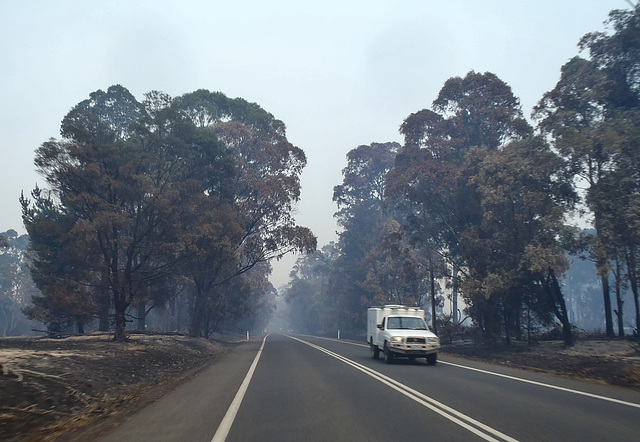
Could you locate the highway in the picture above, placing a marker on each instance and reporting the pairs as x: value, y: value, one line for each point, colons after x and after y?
x: 301, y: 388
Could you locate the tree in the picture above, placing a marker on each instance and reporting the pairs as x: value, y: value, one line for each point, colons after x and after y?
x: 155, y: 194
x: 122, y: 190
x: 16, y: 286
x: 615, y: 197
x: 572, y: 113
x: 307, y: 293
x: 265, y: 185
x: 58, y: 266
x: 515, y: 254
x: 477, y: 110
x: 429, y: 182
x: 361, y: 214
x: 578, y: 113
x: 395, y: 270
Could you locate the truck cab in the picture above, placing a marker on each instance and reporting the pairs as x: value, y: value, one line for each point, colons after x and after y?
x: 400, y: 331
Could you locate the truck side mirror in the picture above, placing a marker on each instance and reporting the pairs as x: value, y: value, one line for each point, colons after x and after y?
x: 379, y: 326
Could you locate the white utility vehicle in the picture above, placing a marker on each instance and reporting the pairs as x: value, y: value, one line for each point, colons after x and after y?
x: 400, y: 331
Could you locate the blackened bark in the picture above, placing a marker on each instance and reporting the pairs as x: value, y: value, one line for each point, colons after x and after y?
x: 433, y: 301
x: 560, y: 307
x: 608, y: 315
x: 619, y: 302
x: 142, y: 315
x: 633, y: 281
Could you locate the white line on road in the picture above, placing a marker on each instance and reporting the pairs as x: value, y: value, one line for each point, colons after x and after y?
x: 229, y: 417
x: 514, y: 378
x: 541, y: 384
x: 470, y: 424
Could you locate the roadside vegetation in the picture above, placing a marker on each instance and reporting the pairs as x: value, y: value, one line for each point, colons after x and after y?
x: 164, y: 214
x: 478, y: 210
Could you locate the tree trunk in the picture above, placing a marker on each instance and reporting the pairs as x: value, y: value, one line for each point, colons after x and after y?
x: 507, y: 332
x: 454, y: 306
x: 633, y: 281
x: 142, y: 315
x: 433, y: 301
x: 198, y: 312
x: 560, y: 307
x: 173, y: 319
x: 104, y: 302
x: 518, y: 318
x: 120, y: 307
x: 120, y: 325
x: 619, y: 302
x: 608, y: 316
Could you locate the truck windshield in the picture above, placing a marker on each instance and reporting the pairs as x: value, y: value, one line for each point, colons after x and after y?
x: 406, y: 323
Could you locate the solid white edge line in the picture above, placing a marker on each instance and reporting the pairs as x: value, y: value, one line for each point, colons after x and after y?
x: 229, y: 417
x: 541, y: 384
x: 514, y: 378
x: 444, y: 410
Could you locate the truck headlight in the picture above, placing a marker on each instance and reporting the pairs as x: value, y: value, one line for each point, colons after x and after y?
x: 396, y: 339
x: 433, y: 341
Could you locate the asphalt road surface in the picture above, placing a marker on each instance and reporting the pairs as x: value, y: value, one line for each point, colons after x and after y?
x: 300, y: 388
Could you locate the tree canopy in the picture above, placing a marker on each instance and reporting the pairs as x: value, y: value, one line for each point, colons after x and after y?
x: 199, y: 186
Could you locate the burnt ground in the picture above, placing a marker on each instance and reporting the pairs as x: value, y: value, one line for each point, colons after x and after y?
x: 74, y: 388
x: 57, y: 389
x: 609, y: 361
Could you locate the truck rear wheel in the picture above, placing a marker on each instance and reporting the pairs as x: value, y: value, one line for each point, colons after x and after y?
x: 388, y: 355
x: 375, y: 351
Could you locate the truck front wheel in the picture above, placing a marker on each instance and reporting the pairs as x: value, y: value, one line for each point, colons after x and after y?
x: 388, y: 355
x: 432, y: 359
x: 375, y: 351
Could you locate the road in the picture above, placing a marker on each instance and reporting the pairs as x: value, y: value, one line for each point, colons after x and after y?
x: 300, y: 388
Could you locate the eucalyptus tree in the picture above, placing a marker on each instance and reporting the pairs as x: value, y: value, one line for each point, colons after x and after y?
x: 429, y: 184
x: 153, y: 193
x: 307, y: 294
x: 616, y: 52
x: 515, y: 254
x: 114, y: 187
x: 265, y: 186
x: 616, y: 198
x: 477, y: 110
x: 361, y: 214
x: 579, y: 114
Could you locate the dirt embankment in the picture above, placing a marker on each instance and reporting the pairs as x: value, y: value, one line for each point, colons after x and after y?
x: 50, y: 389
x: 76, y: 388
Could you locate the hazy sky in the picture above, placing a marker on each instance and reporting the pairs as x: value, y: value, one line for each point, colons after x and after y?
x: 338, y: 73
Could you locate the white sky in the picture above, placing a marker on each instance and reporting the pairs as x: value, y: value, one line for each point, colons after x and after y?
x: 338, y: 73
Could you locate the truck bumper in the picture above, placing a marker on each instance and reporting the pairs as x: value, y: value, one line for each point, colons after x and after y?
x: 414, y: 350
